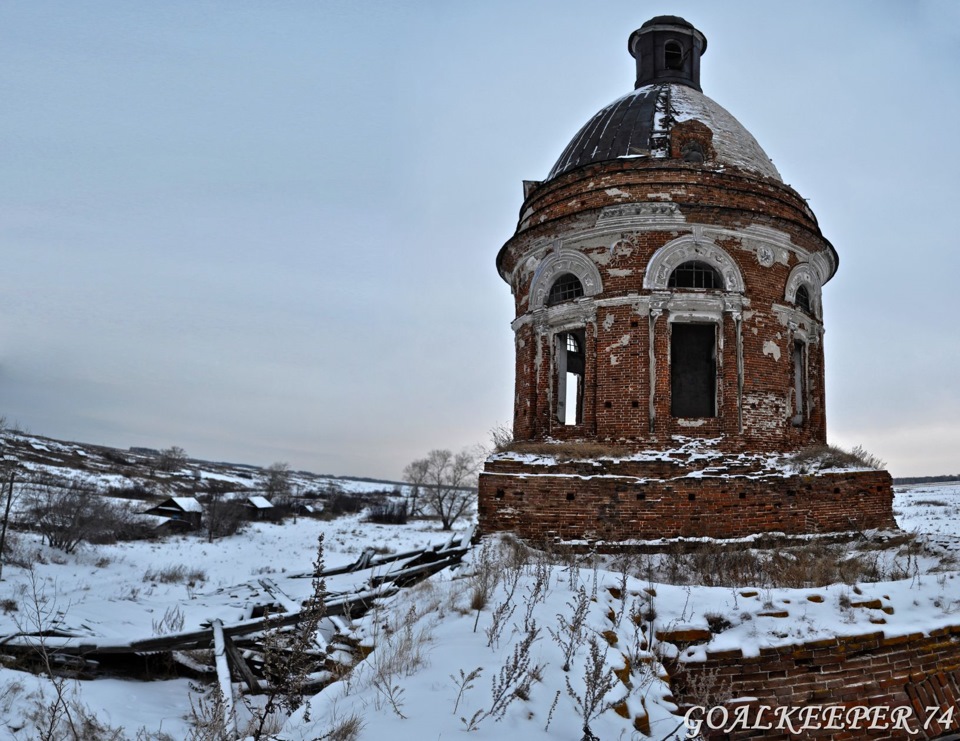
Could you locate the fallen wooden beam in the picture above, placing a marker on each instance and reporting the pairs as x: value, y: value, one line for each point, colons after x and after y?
x: 223, y: 673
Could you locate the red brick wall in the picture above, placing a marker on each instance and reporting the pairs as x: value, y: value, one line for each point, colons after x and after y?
x: 611, y: 501
x: 917, y: 671
x: 617, y: 395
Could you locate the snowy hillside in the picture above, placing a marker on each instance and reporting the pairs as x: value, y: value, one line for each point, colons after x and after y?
x: 514, y: 643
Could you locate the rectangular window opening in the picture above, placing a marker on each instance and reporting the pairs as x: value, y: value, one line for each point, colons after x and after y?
x: 799, y: 383
x: 569, y: 349
x: 693, y: 370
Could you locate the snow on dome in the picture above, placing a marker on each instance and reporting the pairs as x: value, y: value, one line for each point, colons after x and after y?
x: 639, y: 124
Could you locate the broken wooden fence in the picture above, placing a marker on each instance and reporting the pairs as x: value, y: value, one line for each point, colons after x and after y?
x: 410, y: 567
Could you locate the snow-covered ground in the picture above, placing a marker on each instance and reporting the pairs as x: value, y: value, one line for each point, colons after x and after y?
x: 439, y: 664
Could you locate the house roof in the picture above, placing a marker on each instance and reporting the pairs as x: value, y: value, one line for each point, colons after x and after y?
x: 187, y: 504
x: 260, y: 502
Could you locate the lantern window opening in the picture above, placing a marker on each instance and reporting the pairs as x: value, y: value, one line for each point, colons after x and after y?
x: 695, y: 274
x: 565, y: 288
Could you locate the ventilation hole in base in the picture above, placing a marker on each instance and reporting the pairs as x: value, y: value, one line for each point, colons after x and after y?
x: 607, y: 404
x: 635, y: 404
x: 500, y: 493
x: 743, y: 495
x: 570, y: 497
x: 691, y: 497
x: 641, y: 496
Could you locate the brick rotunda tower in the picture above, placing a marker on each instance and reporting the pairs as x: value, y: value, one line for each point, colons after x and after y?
x: 669, y: 330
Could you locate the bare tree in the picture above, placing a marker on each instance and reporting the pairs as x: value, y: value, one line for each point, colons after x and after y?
x: 448, y: 483
x: 276, y: 482
x: 222, y: 516
x: 415, y: 474
x: 9, y: 469
x: 64, y: 511
x: 172, y: 458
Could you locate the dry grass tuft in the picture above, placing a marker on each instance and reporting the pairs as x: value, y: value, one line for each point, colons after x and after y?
x: 823, y: 457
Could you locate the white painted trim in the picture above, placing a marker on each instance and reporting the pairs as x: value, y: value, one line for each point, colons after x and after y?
x: 692, y: 247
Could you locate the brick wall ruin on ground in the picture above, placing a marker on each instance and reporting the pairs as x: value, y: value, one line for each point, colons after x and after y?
x: 917, y: 671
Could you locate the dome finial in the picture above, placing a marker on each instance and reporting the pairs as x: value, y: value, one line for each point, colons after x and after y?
x: 667, y: 49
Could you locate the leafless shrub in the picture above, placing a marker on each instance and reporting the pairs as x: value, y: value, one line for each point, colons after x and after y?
x: 570, y: 633
x: 388, y: 513
x: 598, y: 680
x: 287, y: 657
x: 208, y: 716
x: 464, y: 683
x: 65, y: 512
x: 503, y: 611
x: 222, y: 517
x: 484, y: 578
x: 511, y: 683
x: 699, y: 687
x: 175, y: 574
x: 340, y: 503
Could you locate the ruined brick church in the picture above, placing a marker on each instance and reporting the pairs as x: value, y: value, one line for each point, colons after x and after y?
x: 668, y: 331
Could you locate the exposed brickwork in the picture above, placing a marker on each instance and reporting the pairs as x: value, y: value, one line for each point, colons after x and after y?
x: 621, y: 226
x: 610, y: 501
x: 917, y: 671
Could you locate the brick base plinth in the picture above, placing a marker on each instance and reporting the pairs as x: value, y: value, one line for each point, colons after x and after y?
x: 624, y: 500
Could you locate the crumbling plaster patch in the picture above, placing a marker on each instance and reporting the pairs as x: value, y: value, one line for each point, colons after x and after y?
x: 771, y: 348
x: 622, y: 342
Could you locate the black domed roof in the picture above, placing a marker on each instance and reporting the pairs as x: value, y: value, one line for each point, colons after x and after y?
x: 668, y: 50
x: 639, y: 125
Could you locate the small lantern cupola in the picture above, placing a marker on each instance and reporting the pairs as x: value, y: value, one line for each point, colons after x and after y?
x: 667, y: 49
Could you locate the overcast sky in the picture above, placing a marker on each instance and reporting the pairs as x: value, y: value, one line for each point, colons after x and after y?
x: 266, y: 231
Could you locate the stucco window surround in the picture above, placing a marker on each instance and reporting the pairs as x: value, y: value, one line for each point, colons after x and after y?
x: 556, y: 264
x: 807, y: 276
x: 696, y: 306
x: 692, y: 304
x: 557, y: 323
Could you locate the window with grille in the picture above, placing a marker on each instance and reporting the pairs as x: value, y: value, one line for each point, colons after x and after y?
x: 672, y: 55
x: 565, y: 288
x: 695, y: 274
x: 569, y: 370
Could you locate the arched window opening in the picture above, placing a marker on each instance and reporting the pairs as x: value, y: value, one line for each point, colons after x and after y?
x: 693, y: 370
x: 565, y: 288
x: 673, y: 55
x: 695, y: 274
x: 799, y: 358
x: 802, y: 299
x: 569, y: 376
